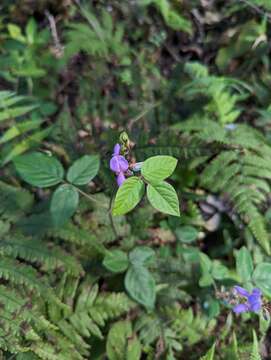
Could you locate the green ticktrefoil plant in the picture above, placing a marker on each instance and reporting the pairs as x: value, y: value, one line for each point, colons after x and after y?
x: 134, y: 179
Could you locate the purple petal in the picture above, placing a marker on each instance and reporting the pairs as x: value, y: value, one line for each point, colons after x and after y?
x: 256, y: 306
x: 123, y: 163
x: 120, y: 179
x: 116, y: 149
x: 119, y: 164
x: 257, y: 292
x: 241, y: 291
x: 240, y: 308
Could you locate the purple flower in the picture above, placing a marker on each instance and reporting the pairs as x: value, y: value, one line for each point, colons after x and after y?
x: 253, y: 300
x: 119, y: 164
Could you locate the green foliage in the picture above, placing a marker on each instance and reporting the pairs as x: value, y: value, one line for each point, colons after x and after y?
x: 160, y: 194
x: 14, y: 109
x: 174, y: 82
x: 39, y: 169
x: 128, y: 195
x: 83, y: 170
x: 64, y: 203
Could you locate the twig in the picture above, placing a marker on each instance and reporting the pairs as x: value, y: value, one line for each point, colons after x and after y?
x: 59, y: 48
x: 257, y: 9
x: 91, y: 198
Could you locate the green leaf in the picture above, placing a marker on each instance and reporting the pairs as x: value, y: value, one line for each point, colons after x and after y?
x: 157, y: 168
x: 39, y: 169
x: 128, y: 195
x: 116, y: 261
x: 140, y: 285
x: 219, y: 271
x: 63, y: 204
x: 255, y: 352
x: 262, y: 277
x: 206, y: 267
x: 210, y: 354
x: 27, y: 143
x: 15, y: 112
x: 186, y: 234
x: 244, y: 264
x: 83, y: 170
x: 163, y: 197
x: 122, y: 343
x: 141, y: 255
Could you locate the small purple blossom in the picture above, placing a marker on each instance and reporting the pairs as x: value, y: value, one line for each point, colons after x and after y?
x: 119, y: 164
x: 253, y: 301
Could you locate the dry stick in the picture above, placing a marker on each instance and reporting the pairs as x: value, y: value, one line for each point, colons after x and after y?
x: 58, y: 47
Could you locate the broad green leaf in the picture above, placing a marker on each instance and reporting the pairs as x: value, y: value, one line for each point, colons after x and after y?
x: 244, y: 264
x: 141, y: 255
x: 83, y: 170
x: 163, y: 197
x: 39, y: 169
x: 128, y: 195
x: 157, y: 168
x: 186, y: 234
x: 140, y: 285
x: 63, y: 204
x: 122, y: 343
x: 116, y: 261
x: 262, y: 277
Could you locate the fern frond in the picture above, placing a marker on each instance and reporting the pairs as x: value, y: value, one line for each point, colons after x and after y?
x: 35, y: 251
x: 20, y: 274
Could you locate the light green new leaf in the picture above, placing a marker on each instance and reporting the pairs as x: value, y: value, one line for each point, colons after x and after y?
x: 128, y: 195
x: 116, y: 261
x: 39, y: 169
x: 83, y: 170
x: 157, y: 168
x: 262, y: 277
x: 140, y: 285
x: 63, y: 204
x: 163, y: 197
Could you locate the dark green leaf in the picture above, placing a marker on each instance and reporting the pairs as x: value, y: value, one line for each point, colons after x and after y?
x: 187, y: 234
x: 141, y: 255
x: 116, y: 261
x: 140, y: 285
x: 63, y: 204
x: 39, y: 169
x: 83, y: 170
